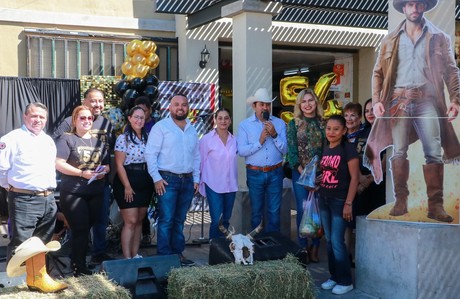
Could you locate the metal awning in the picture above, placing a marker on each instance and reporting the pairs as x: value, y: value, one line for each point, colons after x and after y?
x: 372, y: 14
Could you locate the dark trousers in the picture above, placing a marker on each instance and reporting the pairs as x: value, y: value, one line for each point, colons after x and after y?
x: 30, y: 215
x: 81, y: 212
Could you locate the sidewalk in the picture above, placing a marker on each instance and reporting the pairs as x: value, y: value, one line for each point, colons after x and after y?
x: 199, y: 254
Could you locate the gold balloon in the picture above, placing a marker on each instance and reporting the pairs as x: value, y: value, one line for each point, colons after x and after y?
x: 153, y: 61
x: 147, y: 47
x: 127, y: 68
x: 287, y: 116
x: 140, y: 71
x: 138, y: 59
x: 322, y: 87
x: 290, y: 88
x: 129, y: 78
x: 333, y: 108
x: 133, y: 47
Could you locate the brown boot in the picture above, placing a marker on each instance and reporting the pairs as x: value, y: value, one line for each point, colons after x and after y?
x: 400, y: 171
x: 434, y: 179
x: 37, y: 277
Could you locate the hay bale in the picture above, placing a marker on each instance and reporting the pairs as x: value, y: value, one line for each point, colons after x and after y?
x: 95, y: 286
x: 269, y: 279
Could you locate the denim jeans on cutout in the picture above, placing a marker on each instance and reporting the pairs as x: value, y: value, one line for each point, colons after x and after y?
x: 219, y: 204
x: 301, y: 193
x: 334, y: 225
x: 265, y: 192
x: 30, y: 216
x: 99, y: 229
x: 425, y: 123
x: 173, y: 206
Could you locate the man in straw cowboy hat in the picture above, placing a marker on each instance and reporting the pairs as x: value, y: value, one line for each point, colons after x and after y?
x: 32, y: 252
x: 414, y: 63
x: 261, y: 140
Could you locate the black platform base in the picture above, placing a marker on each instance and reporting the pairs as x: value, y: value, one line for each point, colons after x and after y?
x: 267, y: 246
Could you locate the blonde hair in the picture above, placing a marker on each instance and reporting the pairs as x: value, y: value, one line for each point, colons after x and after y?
x: 298, y: 112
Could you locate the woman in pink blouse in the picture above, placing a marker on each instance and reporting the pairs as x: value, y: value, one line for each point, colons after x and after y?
x: 219, y: 175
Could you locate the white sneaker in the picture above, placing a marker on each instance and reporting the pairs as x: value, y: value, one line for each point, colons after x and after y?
x: 328, y: 284
x: 137, y: 256
x: 340, y: 290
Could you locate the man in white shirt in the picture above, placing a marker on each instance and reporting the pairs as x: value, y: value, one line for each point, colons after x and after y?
x: 173, y: 161
x: 27, y: 171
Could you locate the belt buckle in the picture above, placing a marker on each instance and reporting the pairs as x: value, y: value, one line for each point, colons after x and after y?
x: 180, y: 175
x: 266, y: 168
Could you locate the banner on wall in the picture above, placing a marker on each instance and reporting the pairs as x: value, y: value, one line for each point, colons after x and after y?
x: 202, y: 102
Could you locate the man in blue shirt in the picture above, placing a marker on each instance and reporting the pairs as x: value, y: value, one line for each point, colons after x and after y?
x: 261, y: 140
x: 173, y: 161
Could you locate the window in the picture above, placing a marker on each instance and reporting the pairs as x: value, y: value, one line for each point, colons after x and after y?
x: 70, y: 55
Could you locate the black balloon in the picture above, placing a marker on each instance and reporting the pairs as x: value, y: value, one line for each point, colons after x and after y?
x: 152, y: 80
x: 151, y: 92
x: 138, y: 84
x: 121, y: 87
x: 129, y: 97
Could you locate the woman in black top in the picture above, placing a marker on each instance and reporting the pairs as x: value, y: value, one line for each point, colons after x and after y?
x: 83, y: 161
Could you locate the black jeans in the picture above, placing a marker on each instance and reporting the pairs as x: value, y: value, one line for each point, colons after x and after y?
x: 81, y: 212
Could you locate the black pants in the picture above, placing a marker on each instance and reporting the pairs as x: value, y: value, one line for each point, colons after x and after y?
x: 81, y: 212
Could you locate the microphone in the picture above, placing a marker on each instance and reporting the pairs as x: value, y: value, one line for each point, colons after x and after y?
x: 265, y: 115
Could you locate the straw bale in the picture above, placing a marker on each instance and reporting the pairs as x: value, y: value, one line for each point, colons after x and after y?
x: 269, y: 279
x: 95, y: 286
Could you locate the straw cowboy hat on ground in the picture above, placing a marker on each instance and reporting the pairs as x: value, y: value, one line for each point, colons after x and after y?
x: 31, y: 252
x: 430, y: 4
x: 261, y: 95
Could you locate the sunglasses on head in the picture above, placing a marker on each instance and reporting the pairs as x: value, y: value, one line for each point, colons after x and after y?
x: 90, y: 118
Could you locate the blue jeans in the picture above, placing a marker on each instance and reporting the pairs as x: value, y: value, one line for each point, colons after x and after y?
x: 99, y: 229
x: 219, y: 204
x: 173, y: 206
x: 300, y: 194
x: 29, y: 216
x: 334, y: 225
x: 426, y: 125
x: 265, y: 192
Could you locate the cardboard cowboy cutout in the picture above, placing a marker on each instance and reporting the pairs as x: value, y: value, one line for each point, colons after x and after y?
x: 414, y: 65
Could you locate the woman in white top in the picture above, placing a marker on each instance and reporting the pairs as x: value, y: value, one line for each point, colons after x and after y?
x: 133, y: 186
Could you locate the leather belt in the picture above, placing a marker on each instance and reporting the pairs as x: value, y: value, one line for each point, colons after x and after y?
x: 179, y: 175
x: 264, y: 168
x: 409, y: 93
x: 136, y: 166
x: 31, y: 192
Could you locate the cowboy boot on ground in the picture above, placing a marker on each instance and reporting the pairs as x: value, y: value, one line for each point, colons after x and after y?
x: 400, y: 171
x: 37, y: 277
x: 434, y: 179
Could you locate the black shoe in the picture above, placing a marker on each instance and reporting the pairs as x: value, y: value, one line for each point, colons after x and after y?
x: 186, y: 262
x: 99, y: 258
x: 80, y: 269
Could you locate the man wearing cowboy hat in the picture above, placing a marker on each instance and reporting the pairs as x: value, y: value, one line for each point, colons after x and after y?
x: 414, y: 63
x: 261, y: 140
